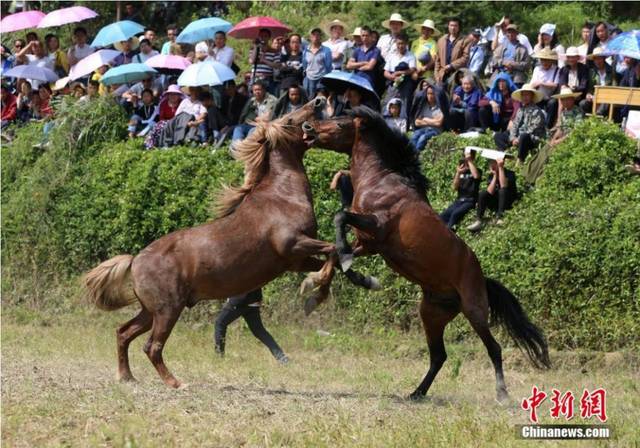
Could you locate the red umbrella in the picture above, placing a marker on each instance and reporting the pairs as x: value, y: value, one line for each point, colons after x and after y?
x: 249, y: 28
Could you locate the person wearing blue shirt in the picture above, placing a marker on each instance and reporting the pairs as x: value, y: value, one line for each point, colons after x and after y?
x: 365, y: 57
x: 316, y: 62
x: 477, y: 52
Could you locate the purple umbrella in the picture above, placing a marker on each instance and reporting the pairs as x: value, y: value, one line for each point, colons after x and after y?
x: 34, y: 72
x: 92, y: 62
x: 67, y: 15
x: 168, y: 63
x: 21, y: 21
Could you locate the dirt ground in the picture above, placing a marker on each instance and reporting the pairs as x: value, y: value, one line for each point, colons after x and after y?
x: 341, y: 389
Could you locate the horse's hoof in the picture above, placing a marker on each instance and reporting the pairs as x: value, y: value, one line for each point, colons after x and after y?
x: 417, y: 396
x: 307, y: 285
x: 309, y: 305
x: 126, y: 378
x: 182, y: 386
x: 346, y: 260
x: 374, y: 284
x: 502, y: 397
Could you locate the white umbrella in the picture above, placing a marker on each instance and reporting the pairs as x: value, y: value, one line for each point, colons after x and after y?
x: 92, y: 62
x: 207, y: 73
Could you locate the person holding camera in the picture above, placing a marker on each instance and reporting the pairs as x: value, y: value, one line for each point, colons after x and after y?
x: 466, y: 182
x: 264, y: 60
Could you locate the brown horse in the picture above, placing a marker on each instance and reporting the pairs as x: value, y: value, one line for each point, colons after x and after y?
x: 264, y: 228
x: 392, y: 217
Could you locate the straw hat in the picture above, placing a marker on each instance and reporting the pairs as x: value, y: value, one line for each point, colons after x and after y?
x: 395, y: 17
x: 572, y: 51
x: 335, y: 22
x: 135, y: 43
x: 546, y: 53
x: 428, y: 23
x: 565, y: 92
x: 357, y: 31
x: 537, y: 96
x: 598, y: 52
x: 512, y: 26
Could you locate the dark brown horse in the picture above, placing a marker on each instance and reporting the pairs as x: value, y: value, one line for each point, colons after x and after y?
x: 264, y: 228
x: 391, y: 216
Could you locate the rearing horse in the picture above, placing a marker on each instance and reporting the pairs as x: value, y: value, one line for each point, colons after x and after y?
x: 391, y: 216
x: 264, y: 228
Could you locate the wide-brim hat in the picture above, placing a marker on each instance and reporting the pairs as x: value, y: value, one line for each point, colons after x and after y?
x: 545, y: 53
x: 428, y: 23
x: 395, y: 17
x: 572, y: 51
x: 566, y: 92
x: 173, y: 88
x: 512, y: 27
x: 357, y: 31
x: 598, y: 52
x: 135, y: 43
x: 335, y: 22
x: 537, y: 96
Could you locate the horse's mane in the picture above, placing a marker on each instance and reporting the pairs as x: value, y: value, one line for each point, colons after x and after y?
x: 395, y: 150
x: 253, y: 151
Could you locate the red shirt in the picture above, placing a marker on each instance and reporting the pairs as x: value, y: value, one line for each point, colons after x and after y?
x: 45, y: 109
x: 167, y: 111
x: 9, y: 108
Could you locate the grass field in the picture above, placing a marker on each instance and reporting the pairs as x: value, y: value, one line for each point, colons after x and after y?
x: 345, y: 389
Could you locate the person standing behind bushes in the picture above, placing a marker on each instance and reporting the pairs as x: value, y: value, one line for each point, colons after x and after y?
x: 246, y: 306
x: 57, y: 56
x: 548, y: 39
x: 172, y: 34
x: 316, y: 62
x: 528, y: 126
x: 452, y: 51
x: 500, y: 194
x: 365, y: 57
x: 466, y: 182
x: 144, y: 115
x: 425, y: 49
x: 511, y: 57
x: 399, y: 70
x: 545, y: 80
x: 601, y: 74
x: 80, y: 48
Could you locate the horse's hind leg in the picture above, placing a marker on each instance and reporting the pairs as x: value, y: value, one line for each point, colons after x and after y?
x: 434, y: 319
x: 476, y: 311
x: 127, y: 333
x: 163, y: 322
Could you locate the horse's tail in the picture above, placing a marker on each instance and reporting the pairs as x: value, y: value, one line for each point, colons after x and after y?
x: 108, y: 285
x: 506, y: 310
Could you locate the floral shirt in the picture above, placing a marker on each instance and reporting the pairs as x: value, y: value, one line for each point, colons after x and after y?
x: 528, y: 120
x: 569, y: 119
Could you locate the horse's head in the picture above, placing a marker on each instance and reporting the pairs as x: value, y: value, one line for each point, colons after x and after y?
x: 337, y: 134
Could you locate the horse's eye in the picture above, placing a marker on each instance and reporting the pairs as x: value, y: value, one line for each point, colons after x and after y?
x: 290, y: 122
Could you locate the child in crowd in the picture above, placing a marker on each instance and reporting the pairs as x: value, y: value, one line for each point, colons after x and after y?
x: 394, y: 120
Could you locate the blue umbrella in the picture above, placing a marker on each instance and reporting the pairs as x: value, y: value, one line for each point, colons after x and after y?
x: 127, y: 73
x: 116, y: 32
x: 203, y: 29
x: 207, y: 73
x: 625, y: 44
x: 339, y: 81
x: 34, y: 72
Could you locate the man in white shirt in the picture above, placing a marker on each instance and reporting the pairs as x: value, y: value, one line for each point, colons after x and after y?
x: 387, y: 42
x: 146, y: 51
x: 501, y: 35
x: 399, y: 67
x: 34, y: 54
x: 220, y: 52
x: 81, y: 49
x: 336, y: 43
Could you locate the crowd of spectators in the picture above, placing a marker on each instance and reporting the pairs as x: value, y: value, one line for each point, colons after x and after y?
x: 483, y: 79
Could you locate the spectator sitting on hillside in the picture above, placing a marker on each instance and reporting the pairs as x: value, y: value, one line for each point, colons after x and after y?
x: 500, y: 194
x: 570, y: 116
x: 92, y: 91
x: 260, y: 105
x: 78, y: 90
x: 398, y: 71
x: 545, y: 80
x: 394, y: 120
x: 511, y: 57
x: 80, y: 49
x: 233, y: 102
x: 463, y: 113
x: 39, y: 58
x: 497, y: 107
x: 9, y: 107
x: 293, y: 99
x: 527, y: 128
x: 466, y: 182
x: 601, y: 74
x: 103, y: 90
x: 24, y: 100
x: 145, y: 115
x: 59, y: 57
x: 169, y: 103
x: 316, y: 62
x: 427, y: 116
x: 146, y: 52
x: 425, y: 49
x: 189, y: 123
x: 574, y: 74
x: 631, y: 78
x: 127, y: 49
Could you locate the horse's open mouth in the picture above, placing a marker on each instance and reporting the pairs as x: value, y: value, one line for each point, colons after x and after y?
x: 308, y: 134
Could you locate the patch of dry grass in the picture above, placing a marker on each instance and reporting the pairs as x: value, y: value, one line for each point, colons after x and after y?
x: 348, y: 389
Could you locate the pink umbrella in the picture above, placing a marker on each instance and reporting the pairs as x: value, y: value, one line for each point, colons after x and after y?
x: 67, y: 15
x: 21, y: 21
x: 249, y: 28
x: 92, y: 62
x: 171, y: 62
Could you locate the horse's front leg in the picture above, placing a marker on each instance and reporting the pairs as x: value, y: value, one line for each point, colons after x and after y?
x: 365, y: 223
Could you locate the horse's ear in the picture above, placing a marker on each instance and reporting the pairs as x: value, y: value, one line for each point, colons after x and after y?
x: 360, y: 123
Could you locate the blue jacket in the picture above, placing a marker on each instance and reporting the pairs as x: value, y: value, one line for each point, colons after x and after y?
x: 494, y: 93
x: 326, y: 52
x: 472, y: 101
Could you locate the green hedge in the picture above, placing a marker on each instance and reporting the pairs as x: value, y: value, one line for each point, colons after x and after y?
x: 570, y: 249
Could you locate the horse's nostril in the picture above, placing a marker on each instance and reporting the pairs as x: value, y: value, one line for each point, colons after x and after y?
x: 319, y: 102
x: 307, y: 128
